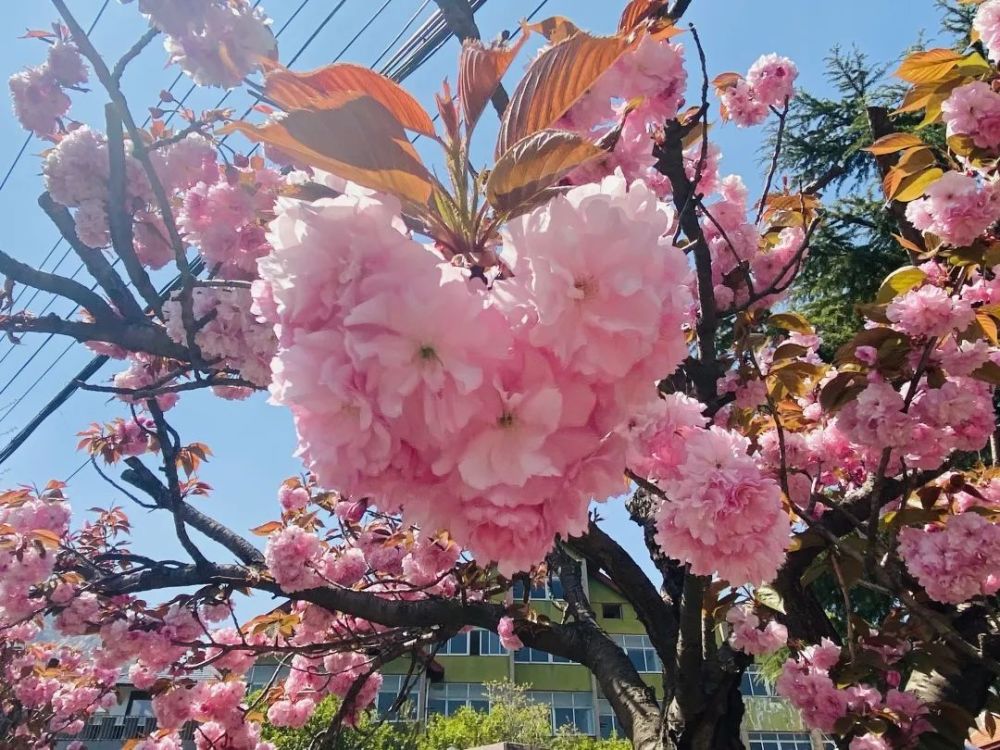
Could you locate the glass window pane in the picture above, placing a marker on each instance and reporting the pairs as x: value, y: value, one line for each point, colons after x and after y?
x: 563, y: 716
x: 480, y: 705
x: 435, y: 706
x: 539, y: 592
x: 556, y: 587
x: 518, y: 590
x: 583, y: 718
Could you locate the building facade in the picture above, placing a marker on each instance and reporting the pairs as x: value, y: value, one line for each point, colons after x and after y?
x: 466, y: 663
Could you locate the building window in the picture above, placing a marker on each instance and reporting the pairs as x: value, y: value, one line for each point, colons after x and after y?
x: 447, y: 697
x: 783, y: 741
x: 139, y: 704
x: 455, y: 646
x: 576, y: 709
x: 552, y: 589
x: 388, y: 697
x: 640, y: 652
x: 534, y: 656
x: 754, y: 684
x: 607, y: 722
x: 611, y: 611
x: 489, y: 643
x: 260, y: 675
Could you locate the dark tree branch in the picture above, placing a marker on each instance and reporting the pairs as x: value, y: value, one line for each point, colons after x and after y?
x: 140, y: 152
x: 93, y: 259
x: 658, y: 616
x: 881, y: 125
x: 139, y: 476
x: 130, y: 336
x: 120, y: 214
x: 679, y: 9
x: 58, y: 285
x: 134, y: 51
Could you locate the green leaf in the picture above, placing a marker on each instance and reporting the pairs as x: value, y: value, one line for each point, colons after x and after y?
x: 770, y: 598
x: 899, y: 282
x: 790, y: 321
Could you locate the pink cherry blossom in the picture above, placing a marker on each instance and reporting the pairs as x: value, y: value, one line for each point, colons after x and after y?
x: 772, y: 79
x: 953, y: 563
x: 974, y: 110
x: 747, y: 635
x: 291, y: 555
x: 930, y: 311
x: 508, y: 638
x: 722, y: 515
x: 956, y: 208
x: 987, y: 24
x: 39, y: 102
x: 869, y: 742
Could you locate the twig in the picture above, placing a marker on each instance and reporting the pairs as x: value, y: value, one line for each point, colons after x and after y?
x: 782, y: 118
x: 146, y: 393
x: 133, y: 53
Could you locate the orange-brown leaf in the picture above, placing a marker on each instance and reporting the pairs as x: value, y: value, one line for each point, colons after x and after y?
x: 890, y: 144
x: 915, y: 185
x: 266, y: 529
x: 555, y: 29
x: 481, y: 69
x: 356, y: 138
x: 928, y: 66
x: 554, y: 82
x: 534, y: 164
x: 638, y: 11
x: 324, y: 88
x: 48, y: 538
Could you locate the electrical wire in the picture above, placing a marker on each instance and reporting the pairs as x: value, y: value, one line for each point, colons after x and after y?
x: 95, y: 365
x: 44, y: 343
x: 425, y: 51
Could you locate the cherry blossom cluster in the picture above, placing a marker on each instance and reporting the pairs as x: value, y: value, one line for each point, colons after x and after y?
x: 973, y: 110
x: 644, y: 89
x: 215, y: 42
x: 225, y: 216
x: 805, y: 681
x: 743, y: 261
x: 77, y: 172
x: 987, y: 25
x: 38, y: 93
x: 953, y: 560
x: 957, y: 208
x: 721, y: 513
x: 749, y: 637
x: 503, y: 428
x: 228, y: 334
x: 769, y: 84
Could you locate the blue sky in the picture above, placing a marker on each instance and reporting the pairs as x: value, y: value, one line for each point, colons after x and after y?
x: 254, y: 442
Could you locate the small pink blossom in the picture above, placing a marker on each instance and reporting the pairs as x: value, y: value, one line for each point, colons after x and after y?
x: 508, y: 638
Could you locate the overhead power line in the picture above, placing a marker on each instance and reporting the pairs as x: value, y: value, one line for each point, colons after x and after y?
x: 428, y: 40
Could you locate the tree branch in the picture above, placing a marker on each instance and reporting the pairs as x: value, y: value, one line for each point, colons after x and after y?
x: 55, y: 284
x: 139, y: 476
x: 95, y: 262
x: 120, y: 214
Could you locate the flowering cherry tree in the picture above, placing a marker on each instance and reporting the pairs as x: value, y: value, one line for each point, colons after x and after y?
x: 472, y: 361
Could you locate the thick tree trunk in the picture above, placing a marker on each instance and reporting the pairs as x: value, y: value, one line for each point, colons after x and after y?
x: 717, y: 726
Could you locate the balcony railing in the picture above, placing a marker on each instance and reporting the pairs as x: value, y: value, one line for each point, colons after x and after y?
x: 102, y: 728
